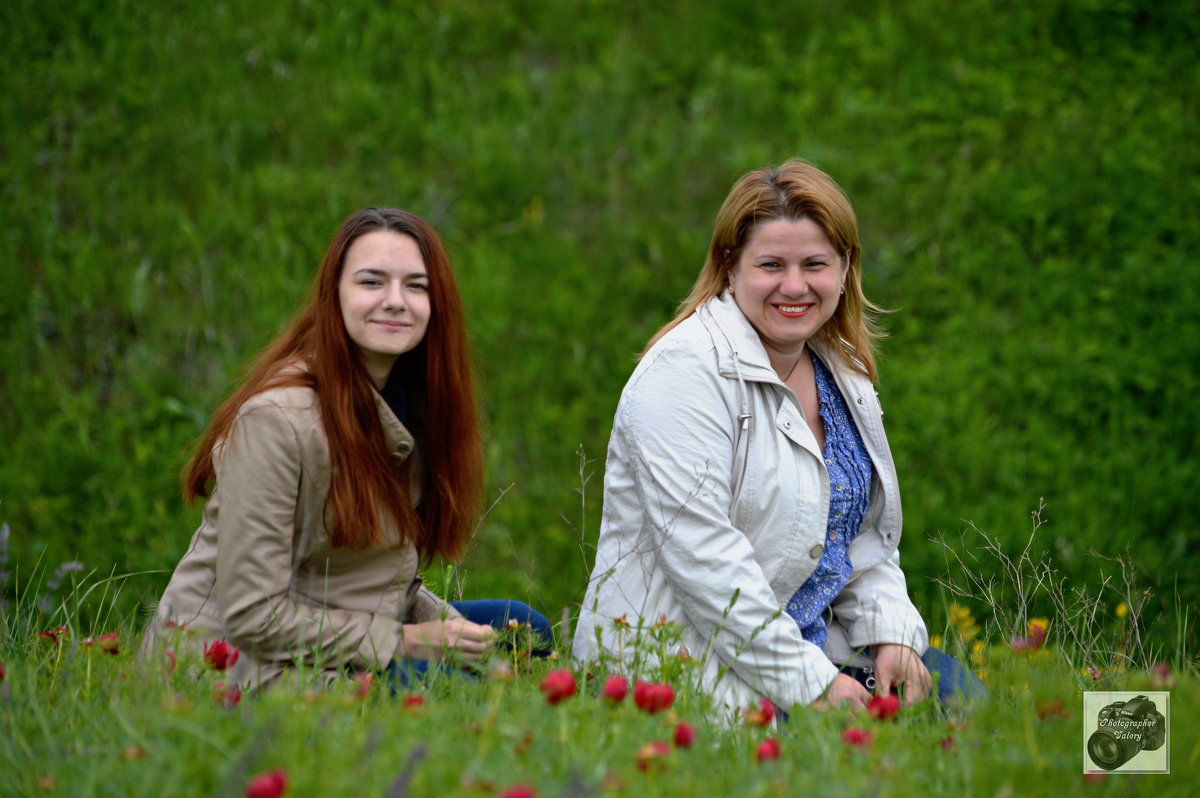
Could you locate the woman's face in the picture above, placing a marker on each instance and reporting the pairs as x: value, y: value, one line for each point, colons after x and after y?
x: 384, y: 297
x: 787, y: 282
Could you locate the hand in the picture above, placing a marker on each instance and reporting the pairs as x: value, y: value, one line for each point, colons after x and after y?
x: 843, y: 690
x: 435, y: 641
x: 896, y: 666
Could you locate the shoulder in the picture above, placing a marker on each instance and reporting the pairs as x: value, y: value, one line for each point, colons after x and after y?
x: 686, y: 355
x: 291, y: 412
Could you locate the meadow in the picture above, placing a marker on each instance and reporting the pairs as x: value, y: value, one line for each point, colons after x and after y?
x: 1025, y: 176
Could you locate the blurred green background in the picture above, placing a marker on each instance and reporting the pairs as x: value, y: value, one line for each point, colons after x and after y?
x: 1025, y: 174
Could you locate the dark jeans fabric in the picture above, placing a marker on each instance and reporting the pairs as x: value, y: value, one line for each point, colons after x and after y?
x: 953, y: 681
x: 401, y: 674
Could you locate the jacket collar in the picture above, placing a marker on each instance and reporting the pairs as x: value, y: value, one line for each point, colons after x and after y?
x: 400, y: 442
x: 740, y: 352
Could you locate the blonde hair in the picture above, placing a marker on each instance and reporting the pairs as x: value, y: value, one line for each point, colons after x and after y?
x: 793, y: 190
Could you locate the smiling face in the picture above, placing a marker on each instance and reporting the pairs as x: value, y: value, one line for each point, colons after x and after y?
x: 787, y: 282
x: 384, y: 296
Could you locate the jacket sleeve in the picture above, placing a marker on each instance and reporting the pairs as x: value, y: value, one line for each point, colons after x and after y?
x: 875, y: 608
x: 258, y: 475
x: 678, y: 434
x: 424, y: 605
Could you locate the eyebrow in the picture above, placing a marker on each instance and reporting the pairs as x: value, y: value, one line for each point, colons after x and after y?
x: 382, y: 273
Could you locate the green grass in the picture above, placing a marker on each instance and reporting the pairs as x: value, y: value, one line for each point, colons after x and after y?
x: 89, y: 723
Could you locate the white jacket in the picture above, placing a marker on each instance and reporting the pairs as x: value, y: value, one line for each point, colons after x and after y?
x: 715, y: 485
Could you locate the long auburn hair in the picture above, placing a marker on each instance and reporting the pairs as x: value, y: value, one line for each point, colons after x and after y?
x: 793, y: 190
x: 366, y: 486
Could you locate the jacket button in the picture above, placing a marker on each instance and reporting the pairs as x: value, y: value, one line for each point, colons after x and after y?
x: 787, y: 425
x: 404, y: 448
x: 817, y: 551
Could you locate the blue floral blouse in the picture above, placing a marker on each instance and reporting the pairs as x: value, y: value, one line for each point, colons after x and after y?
x: 850, y: 472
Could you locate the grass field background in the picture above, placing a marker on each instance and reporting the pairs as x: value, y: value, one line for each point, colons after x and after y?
x: 1025, y: 175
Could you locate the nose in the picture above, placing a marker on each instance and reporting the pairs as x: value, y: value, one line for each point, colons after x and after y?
x: 794, y: 282
x: 393, y: 299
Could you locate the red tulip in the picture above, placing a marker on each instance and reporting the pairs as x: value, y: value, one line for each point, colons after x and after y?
x: 615, y: 688
x: 884, y: 707
x: 857, y: 736
x: 651, y: 697
x: 268, y: 785
x: 227, y: 696
x: 685, y: 735
x: 761, y: 716
x: 767, y: 750
x: 651, y: 752
x: 220, y: 655
x: 518, y: 791
x: 559, y: 685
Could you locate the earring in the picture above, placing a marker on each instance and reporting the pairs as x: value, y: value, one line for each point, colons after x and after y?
x: 843, y: 289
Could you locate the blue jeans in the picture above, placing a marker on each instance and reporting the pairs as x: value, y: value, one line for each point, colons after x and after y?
x: 489, y: 612
x: 951, y: 677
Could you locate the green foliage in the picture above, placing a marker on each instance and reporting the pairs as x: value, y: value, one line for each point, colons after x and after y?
x: 1025, y: 179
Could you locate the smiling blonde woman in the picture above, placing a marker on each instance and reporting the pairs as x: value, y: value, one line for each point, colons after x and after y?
x: 750, y: 493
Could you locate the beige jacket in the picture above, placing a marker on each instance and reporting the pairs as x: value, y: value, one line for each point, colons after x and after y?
x: 260, y: 571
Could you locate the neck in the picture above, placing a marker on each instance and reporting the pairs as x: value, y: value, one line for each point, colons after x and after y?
x: 784, y: 363
x: 378, y: 368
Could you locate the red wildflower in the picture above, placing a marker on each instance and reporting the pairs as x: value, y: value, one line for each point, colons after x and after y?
x: 767, y: 750
x: 1161, y: 677
x: 271, y: 784
x: 884, y: 707
x: 857, y: 736
x: 1053, y: 708
x: 170, y: 666
x: 364, y: 680
x: 559, y: 685
x: 685, y: 735
x: 651, y: 697
x: 220, y: 655
x: 1095, y: 777
x: 518, y: 791
x: 761, y: 716
x: 1, y: 672
x: 109, y: 643
x: 413, y: 701
x: 947, y: 742
x: 227, y: 696
x: 54, y: 634
x: 1037, y: 629
x: 651, y: 752
x: 615, y: 688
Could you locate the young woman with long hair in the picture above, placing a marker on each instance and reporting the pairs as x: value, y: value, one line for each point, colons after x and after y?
x: 349, y: 454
